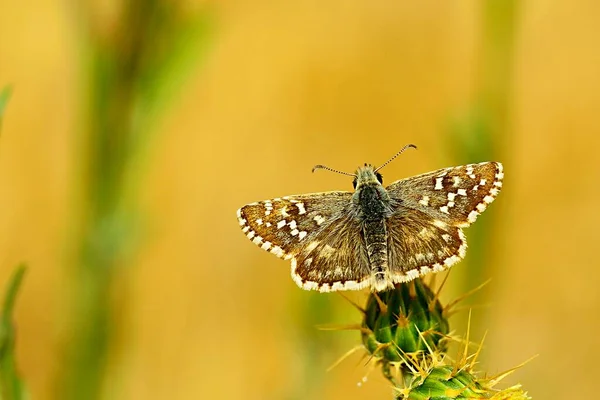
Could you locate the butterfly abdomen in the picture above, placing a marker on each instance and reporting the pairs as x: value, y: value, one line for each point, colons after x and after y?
x: 375, y: 234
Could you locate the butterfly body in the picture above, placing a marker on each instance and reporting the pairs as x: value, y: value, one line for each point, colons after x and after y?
x: 375, y: 236
x: 373, y: 204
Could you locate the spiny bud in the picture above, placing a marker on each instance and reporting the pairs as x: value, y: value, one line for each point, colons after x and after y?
x: 408, y: 319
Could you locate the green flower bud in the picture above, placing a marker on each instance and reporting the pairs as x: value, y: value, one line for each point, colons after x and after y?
x: 405, y: 320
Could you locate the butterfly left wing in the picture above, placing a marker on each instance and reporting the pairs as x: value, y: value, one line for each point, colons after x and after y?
x: 317, y: 232
x: 334, y: 258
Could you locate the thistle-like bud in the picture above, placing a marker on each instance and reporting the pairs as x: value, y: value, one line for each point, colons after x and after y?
x: 404, y: 321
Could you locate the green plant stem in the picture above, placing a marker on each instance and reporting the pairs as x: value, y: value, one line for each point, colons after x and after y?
x: 481, y: 135
x: 4, y: 97
x: 126, y: 70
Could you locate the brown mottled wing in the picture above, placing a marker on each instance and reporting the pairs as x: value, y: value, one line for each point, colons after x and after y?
x: 334, y: 259
x: 424, y: 233
x: 419, y: 244
x: 317, y: 232
x: 454, y: 195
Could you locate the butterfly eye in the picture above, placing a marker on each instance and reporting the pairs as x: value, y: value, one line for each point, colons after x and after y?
x: 354, y: 183
x: 379, y: 177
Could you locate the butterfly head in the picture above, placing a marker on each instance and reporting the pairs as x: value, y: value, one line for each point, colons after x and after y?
x: 370, y: 198
x: 367, y: 175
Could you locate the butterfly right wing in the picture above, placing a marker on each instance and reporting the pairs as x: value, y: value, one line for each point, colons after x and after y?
x: 419, y: 244
x: 318, y: 232
x: 425, y: 230
x: 456, y: 195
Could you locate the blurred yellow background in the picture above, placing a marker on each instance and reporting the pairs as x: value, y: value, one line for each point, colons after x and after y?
x: 198, y: 312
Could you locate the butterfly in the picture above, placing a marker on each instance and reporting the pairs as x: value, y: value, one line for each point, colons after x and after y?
x: 375, y: 236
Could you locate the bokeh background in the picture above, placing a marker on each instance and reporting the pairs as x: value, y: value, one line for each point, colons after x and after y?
x: 135, y: 130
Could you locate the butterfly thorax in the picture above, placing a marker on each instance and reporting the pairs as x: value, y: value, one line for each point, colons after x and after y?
x: 370, y: 197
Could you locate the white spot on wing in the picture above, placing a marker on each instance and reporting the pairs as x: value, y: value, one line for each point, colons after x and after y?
x: 451, y: 260
x: 472, y: 216
x: 325, y: 288
x: 278, y: 251
x: 301, y: 209
x: 412, y: 274
x: 319, y: 219
x: 438, y: 183
x: 439, y: 224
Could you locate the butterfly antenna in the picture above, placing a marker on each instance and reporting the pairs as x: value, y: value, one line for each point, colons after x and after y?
x: 316, y: 167
x: 408, y: 146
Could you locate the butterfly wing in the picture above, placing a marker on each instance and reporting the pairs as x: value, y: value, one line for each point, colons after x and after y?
x: 318, y: 232
x: 454, y: 195
x: 424, y: 232
x: 419, y: 244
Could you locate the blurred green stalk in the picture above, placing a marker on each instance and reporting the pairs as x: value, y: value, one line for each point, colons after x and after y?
x: 4, y: 96
x: 318, y: 346
x: 11, y: 385
x: 485, y: 131
x: 131, y: 67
